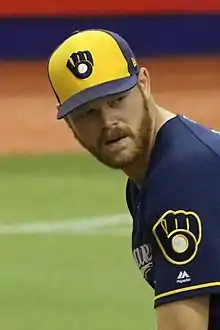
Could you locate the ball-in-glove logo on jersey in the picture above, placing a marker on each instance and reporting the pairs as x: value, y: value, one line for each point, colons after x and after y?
x: 81, y: 64
x: 178, y: 234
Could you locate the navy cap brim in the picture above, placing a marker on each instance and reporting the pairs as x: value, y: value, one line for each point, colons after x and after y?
x: 96, y: 92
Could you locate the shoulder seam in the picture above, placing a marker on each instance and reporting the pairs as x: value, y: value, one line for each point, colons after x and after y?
x: 189, y: 288
x: 201, y: 141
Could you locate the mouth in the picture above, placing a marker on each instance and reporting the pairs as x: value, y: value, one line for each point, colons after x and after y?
x: 114, y: 140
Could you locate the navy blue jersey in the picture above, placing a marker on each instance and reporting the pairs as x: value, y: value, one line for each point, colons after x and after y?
x: 176, y: 216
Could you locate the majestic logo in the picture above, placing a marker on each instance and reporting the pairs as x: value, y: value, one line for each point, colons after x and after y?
x: 183, y: 277
x: 143, y: 258
x: 178, y: 234
x: 81, y: 64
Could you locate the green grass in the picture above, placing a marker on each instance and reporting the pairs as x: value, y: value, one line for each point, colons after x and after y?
x: 56, y: 282
x: 71, y: 283
x: 58, y: 187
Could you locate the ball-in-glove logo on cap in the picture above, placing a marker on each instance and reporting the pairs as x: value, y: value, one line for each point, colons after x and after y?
x: 178, y: 234
x: 81, y: 64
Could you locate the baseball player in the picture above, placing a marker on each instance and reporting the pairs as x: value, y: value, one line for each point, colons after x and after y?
x: 173, y: 169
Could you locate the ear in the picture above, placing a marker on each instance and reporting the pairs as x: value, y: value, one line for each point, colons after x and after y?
x: 144, y: 82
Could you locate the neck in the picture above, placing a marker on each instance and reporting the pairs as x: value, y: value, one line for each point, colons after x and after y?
x: 137, y: 170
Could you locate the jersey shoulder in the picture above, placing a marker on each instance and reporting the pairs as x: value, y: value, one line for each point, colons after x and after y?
x: 186, y: 157
x: 207, y: 137
x: 186, y: 160
x: 186, y: 149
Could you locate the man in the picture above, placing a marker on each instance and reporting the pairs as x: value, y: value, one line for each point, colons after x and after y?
x: 173, y: 169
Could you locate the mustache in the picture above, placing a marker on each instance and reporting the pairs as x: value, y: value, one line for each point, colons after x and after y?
x: 112, y: 134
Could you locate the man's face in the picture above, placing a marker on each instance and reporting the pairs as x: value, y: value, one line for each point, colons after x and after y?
x: 116, y: 130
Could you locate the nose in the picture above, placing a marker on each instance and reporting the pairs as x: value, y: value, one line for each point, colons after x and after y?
x: 108, y: 116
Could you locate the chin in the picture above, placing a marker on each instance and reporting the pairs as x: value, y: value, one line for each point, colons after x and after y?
x: 119, y: 157
x: 119, y: 161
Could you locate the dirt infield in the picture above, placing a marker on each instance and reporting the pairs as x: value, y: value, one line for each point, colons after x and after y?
x: 28, y: 109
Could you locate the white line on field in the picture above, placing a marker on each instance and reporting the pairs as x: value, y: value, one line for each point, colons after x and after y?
x: 72, y: 226
x: 115, y: 231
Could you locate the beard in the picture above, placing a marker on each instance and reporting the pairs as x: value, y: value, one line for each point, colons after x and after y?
x: 129, y: 147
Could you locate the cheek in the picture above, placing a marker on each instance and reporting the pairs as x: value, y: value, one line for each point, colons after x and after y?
x: 135, y: 121
x: 86, y: 133
x: 135, y: 113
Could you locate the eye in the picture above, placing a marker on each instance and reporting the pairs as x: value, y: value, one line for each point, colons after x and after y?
x: 118, y: 101
x: 89, y: 112
x: 86, y: 113
x: 121, y: 98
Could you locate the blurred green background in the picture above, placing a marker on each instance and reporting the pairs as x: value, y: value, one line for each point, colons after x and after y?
x: 65, y: 247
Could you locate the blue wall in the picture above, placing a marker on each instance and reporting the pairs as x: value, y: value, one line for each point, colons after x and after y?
x: 148, y: 35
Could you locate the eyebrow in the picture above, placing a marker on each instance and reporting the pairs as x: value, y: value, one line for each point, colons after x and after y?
x: 87, y: 107
x: 78, y: 111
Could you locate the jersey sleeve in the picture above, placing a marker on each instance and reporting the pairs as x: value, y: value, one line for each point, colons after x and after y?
x: 186, y: 248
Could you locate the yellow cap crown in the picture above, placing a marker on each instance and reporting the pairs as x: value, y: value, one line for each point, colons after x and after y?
x: 86, y: 60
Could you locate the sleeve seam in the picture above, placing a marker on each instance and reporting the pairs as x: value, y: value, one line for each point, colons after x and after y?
x: 189, y: 288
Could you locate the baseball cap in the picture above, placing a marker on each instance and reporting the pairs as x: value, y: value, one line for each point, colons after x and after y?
x: 88, y: 65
